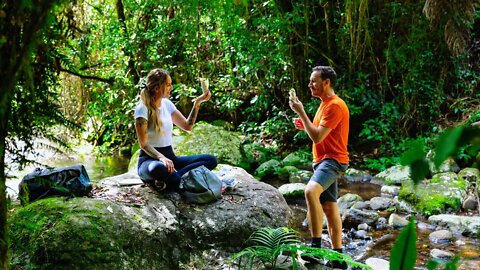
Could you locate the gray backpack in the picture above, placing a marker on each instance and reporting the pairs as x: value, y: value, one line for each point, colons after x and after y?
x: 201, y: 186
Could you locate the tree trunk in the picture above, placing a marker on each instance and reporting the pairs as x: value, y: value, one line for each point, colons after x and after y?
x: 126, y: 50
x: 20, y: 27
x: 4, y: 261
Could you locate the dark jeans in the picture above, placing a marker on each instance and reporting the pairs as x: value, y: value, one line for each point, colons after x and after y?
x: 150, y: 169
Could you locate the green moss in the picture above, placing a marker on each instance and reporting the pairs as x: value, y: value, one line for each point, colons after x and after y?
x: 408, y: 194
x: 32, y: 226
x: 434, y: 205
x: 434, y: 197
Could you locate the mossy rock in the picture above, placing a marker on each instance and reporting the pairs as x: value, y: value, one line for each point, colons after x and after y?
x: 472, y: 175
x: 268, y: 168
x: 444, y: 190
x: 298, y: 158
x: 209, y: 139
x: 290, y: 191
x: 132, y: 165
x: 104, y: 235
x: 285, y: 172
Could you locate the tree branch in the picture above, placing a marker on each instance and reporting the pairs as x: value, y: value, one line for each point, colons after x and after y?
x: 109, y: 80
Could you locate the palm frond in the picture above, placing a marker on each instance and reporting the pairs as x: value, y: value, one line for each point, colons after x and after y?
x: 456, y: 18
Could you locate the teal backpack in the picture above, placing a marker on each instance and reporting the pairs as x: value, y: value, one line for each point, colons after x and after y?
x: 200, y: 185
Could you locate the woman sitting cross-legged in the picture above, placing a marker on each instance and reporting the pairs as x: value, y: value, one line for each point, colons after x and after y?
x: 155, y: 115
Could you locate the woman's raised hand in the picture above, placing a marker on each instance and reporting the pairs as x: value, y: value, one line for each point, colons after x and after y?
x: 206, y: 91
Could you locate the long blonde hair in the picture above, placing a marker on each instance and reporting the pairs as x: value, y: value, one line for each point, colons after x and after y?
x: 155, y: 86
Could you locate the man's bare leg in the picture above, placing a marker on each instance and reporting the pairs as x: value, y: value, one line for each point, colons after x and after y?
x: 315, y: 211
x: 334, y: 223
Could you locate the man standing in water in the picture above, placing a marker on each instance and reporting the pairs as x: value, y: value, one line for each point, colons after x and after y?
x: 329, y: 133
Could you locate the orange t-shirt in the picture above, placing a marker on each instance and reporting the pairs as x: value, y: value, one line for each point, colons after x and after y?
x: 332, y: 113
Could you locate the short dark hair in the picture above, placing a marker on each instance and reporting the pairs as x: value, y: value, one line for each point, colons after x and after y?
x: 327, y: 72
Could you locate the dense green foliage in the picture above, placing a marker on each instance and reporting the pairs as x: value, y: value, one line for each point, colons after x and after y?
x: 400, y: 80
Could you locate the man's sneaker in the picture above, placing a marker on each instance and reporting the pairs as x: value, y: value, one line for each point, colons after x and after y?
x: 336, y: 265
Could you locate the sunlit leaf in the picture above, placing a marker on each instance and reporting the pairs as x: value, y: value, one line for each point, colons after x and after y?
x: 432, y: 265
x: 451, y: 265
x: 404, y: 253
x: 447, y: 144
x: 419, y: 170
x: 416, y: 151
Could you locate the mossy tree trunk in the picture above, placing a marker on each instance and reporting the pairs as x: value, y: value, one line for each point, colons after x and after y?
x: 20, y: 25
x: 3, y: 192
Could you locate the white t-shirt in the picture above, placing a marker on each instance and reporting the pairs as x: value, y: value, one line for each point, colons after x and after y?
x: 163, y: 138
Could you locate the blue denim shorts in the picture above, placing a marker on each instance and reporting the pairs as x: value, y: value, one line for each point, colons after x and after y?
x: 326, y: 173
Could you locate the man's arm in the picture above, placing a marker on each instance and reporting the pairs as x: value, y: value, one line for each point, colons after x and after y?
x: 316, y: 134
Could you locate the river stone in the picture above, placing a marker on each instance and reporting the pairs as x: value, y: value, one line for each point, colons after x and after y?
x: 351, y: 218
x: 477, y: 186
x: 443, y: 191
x: 364, y: 227
x: 459, y: 224
x: 471, y: 175
x: 348, y: 200
x: 405, y: 207
x: 362, y: 234
x: 448, y: 165
x: 390, y: 191
x: 380, y: 203
x: 396, y: 221
x: 353, y: 175
x: 440, y: 236
x: 378, y: 264
x: 441, y: 254
x: 138, y: 228
x: 395, y: 175
x: 292, y: 190
x: 286, y: 262
x: 381, y: 223
x: 470, y: 203
x: 425, y: 226
x: 360, y: 205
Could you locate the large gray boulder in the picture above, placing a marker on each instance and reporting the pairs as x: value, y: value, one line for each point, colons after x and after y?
x: 134, y: 227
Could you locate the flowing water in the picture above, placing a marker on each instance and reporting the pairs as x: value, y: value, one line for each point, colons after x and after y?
x: 382, y: 240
